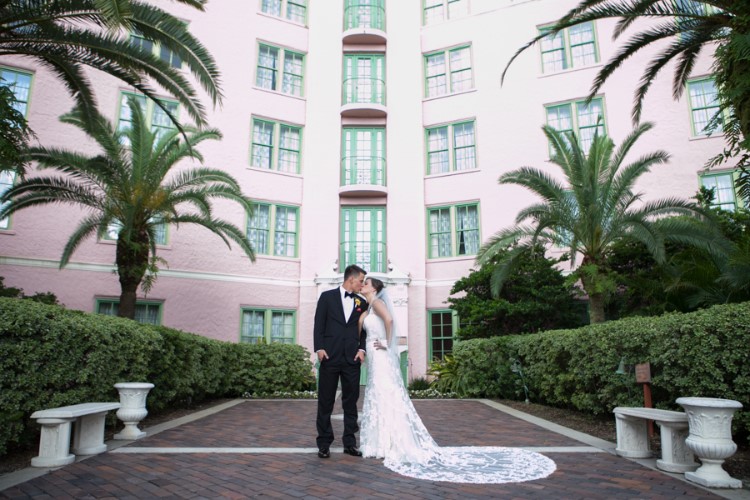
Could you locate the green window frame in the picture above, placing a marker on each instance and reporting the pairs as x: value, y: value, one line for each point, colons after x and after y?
x: 165, y: 54
x: 363, y: 156
x: 442, y: 325
x: 161, y: 233
x: 435, y: 11
x: 725, y: 196
x: 573, y: 47
x: 366, y: 14
x: 273, y: 229
x: 703, y: 99
x: 293, y: 10
x: 448, y: 71
x: 276, y: 146
x: 364, y: 79
x: 156, y: 117
x: 19, y: 82
x: 260, y: 326
x: 147, y: 312
x: 453, y: 230
x: 363, y: 238
x: 458, y: 138
x: 584, y: 120
x: 7, y: 179
x: 279, y: 69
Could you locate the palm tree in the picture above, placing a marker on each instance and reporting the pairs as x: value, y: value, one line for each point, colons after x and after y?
x: 66, y: 35
x: 689, y: 26
x: 134, y: 185
x: 592, y: 209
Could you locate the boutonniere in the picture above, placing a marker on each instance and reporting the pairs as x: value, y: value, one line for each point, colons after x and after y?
x: 358, y: 303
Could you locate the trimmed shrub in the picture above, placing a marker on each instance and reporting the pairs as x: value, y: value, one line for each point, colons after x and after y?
x: 703, y: 353
x: 51, y: 357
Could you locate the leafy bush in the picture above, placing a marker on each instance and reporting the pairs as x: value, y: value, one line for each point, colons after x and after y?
x: 51, y: 357
x: 419, y: 384
x: 703, y: 353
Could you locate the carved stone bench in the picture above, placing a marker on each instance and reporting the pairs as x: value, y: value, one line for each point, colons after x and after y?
x: 632, y: 437
x: 88, y: 438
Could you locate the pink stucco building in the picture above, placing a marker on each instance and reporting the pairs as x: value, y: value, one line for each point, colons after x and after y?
x: 370, y: 132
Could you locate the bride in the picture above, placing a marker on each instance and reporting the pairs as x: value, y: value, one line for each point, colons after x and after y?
x: 391, y: 428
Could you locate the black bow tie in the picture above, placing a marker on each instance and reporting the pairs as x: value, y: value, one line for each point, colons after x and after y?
x: 348, y: 294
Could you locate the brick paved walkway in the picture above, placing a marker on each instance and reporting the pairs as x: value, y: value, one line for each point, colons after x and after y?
x: 266, y: 448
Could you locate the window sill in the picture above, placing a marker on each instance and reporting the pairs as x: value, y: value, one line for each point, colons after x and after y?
x: 452, y: 173
x: 445, y: 21
x: 8, y: 231
x: 705, y: 137
x: 279, y: 258
x: 282, y: 19
x: 279, y: 93
x: 571, y: 70
x: 443, y: 96
x: 276, y: 172
x: 459, y: 258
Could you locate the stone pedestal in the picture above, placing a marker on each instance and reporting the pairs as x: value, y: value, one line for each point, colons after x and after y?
x: 710, y: 438
x: 54, y: 445
x: 133, y: 409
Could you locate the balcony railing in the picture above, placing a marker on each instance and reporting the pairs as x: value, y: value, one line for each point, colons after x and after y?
x: 370, y: 256
x: 363, y: 170
x: 365, y: 16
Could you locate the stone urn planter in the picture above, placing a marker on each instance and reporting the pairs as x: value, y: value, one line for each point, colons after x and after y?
x: 710, y: 438
x: 133, y: 409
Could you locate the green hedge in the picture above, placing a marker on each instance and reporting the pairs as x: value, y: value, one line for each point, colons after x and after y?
x: 50, y: 357
x: 704, y: 353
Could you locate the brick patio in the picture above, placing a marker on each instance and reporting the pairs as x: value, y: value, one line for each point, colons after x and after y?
x: 266, y: 448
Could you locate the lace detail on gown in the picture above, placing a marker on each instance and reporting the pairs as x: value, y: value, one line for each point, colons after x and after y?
x: 391, y: 429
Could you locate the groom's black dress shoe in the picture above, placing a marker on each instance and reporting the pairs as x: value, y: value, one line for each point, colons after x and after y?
x: 351, y: 450
x: 324, y: 453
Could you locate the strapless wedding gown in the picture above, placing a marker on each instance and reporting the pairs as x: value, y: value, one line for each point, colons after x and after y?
x: 391, y: 429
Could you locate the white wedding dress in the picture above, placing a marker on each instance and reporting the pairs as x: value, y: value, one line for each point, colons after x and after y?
x: 391, y: 429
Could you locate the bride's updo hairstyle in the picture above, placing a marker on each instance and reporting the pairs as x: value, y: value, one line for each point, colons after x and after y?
x: 376, y: 284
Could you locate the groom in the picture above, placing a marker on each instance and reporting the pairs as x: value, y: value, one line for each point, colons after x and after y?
x: 340, y: 351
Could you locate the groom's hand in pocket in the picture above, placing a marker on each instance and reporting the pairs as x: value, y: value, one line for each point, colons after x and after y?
x: 322, y: 354
x: 360, y: 356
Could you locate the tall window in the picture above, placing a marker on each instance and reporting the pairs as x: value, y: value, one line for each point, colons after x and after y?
x: 364, y: 78
x: 440, y: 10
x: 364, y: 14
x: 451, y: 147
x: 442, y: 324
x: 585, y: 120
x: 268, y: 325
x: 272, y: 229
x: 363, y: 156
x: 19, y: 83
x: 363, y: 238
x: 723, y: 189
x: 165, y: 54
x: 155, y: 115
x: 448, y: 71
x: 704, y: 106
x: 146, y: 312
x: 572, y: 47
x: 276, y: 146
x: 294, y: 10
x: 280, y: 70
x: 453, y: 230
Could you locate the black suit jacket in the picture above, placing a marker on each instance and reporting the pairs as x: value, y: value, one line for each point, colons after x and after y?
x: 332, y: 332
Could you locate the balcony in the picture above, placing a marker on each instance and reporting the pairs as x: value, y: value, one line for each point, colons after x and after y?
x: 363, y: 176
x: 369, y: 255
x: 363, y: 98
x: 364, y: 24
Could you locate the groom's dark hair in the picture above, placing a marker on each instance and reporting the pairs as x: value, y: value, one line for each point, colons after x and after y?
x: 353, y: 270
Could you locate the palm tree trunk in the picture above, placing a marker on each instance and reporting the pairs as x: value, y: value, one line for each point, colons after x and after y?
x: 132, y: 262
x: 596, y: 308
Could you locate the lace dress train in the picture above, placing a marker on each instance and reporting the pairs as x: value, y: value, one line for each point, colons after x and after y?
x: 391, y: 429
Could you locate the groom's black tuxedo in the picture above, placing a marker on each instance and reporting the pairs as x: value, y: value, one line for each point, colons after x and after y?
x: 341, y: 340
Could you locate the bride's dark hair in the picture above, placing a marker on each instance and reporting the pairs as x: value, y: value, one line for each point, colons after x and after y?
x: 376, y: 284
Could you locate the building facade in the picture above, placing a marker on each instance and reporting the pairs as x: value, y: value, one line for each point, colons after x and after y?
x: 366, y: 131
